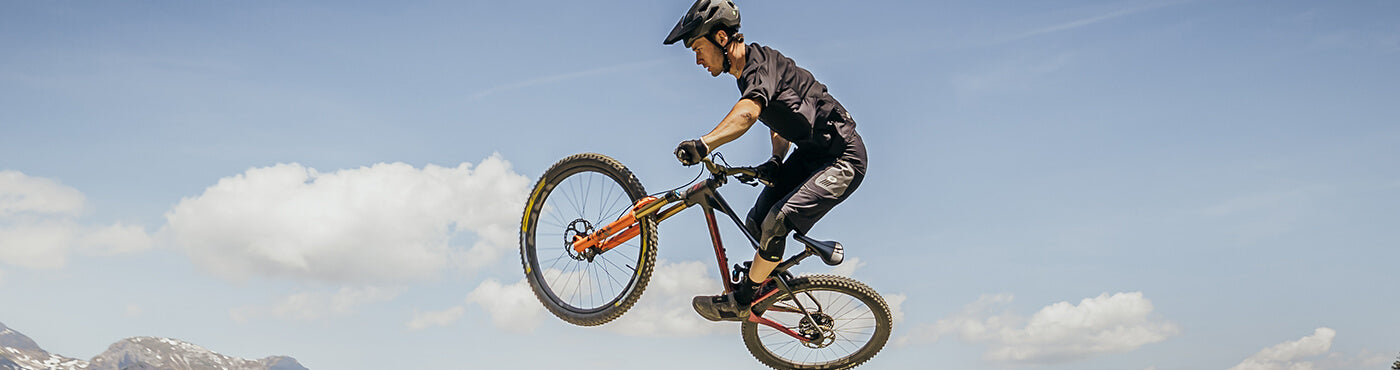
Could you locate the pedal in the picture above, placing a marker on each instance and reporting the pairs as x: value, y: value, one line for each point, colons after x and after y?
x: 741, y: 271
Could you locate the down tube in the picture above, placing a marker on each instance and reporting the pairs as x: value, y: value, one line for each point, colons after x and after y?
x: 720, y: 256
x: 717, y: 201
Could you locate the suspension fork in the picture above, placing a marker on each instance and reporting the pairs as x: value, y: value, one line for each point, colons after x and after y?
x: 628, y: 226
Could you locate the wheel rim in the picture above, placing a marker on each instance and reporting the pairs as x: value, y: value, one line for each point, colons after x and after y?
x: 852, y: 325
x: 583, y: 200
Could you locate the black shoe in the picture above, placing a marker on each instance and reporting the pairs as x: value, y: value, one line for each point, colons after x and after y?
x: 727, y: 307
x: 720, y: 308
x: 762, y: 292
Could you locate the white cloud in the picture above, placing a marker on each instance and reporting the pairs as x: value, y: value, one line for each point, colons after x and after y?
x: 20, y: 193
x: 40, y: 228
x: 512, y: 307
x: 423, y: 320
x: 386, y: 222
x: 664, y: 309
x: 896, y: 302
x: 311, y: 306
x: 36, y: 244
x: 1290, y: 355
x: 848, y: 268
x: 1312, y: 352
x: 1058, y: 333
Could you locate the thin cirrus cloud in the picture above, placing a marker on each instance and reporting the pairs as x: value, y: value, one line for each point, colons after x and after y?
x: 558, y: 78
x: 41, y: 224
x: 1058, y: 333
x: 383, y: 223
x: 310, y: 306
x: 1090, y: 20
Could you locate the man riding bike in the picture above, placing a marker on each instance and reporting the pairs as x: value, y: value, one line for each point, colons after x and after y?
x: 828, y: 164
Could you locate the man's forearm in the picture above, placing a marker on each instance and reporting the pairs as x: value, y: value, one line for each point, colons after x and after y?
x: 734, y: 125
x: 780, y: 145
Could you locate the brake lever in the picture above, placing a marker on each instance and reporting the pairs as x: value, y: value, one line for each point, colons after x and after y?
x: 747, y: 180
x: 752, y: 180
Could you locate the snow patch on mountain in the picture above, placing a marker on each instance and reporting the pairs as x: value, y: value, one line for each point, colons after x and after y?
x: 18, y: 352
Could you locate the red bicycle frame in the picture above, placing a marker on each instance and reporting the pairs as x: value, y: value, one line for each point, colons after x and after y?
x: 704, y: 194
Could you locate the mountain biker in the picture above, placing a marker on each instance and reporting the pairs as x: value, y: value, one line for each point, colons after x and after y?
x: 828, y: 164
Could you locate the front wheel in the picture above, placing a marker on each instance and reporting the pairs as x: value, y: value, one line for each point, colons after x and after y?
x: 575, y: 197
x: 849, y: 321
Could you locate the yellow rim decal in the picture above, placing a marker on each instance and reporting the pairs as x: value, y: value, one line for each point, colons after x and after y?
x: 530, y: 205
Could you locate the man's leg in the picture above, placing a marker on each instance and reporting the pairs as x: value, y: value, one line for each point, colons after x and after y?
x: 798, y: 210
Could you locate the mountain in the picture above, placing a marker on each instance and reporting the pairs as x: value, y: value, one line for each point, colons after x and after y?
x: 18, y: 352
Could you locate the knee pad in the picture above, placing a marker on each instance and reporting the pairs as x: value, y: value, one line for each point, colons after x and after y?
x: 774, y: 236
x: 754, y: 226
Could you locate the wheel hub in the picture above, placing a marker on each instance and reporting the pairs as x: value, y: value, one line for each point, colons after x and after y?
x: 818, y: 334
x: 578, y: 229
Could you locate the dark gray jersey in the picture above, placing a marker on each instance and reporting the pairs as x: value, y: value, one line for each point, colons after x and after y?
x: 795, y: 105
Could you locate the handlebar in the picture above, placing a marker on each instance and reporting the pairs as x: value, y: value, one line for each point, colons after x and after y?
x: 747, y: 175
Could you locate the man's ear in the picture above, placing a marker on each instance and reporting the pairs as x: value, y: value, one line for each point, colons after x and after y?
x: 722, y: 38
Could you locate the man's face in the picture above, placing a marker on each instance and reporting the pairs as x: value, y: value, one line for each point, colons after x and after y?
x: 707, y: 55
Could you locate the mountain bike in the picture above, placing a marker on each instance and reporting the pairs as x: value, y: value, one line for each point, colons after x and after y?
x: 588, y: 246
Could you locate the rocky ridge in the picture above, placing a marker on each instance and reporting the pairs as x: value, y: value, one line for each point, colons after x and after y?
x: 19, y: 352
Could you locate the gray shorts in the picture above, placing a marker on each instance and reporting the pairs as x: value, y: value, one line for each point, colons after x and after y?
x: 806, y: 187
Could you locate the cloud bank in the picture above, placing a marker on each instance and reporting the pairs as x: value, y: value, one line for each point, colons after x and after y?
x: 512, y: 307
x: 663, y: 311
x: 1058, y: 333
x: 1289, y: 355
x: 41, y: 226
x: 1311, y: 353
x: 382, y: 223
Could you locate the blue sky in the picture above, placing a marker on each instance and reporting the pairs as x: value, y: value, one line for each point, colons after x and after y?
x: 1208, y: 184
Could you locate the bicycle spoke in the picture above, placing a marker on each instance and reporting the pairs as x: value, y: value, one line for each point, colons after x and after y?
x: 852, y: 326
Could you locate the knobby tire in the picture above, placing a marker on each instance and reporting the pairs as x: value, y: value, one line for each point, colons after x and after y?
x: 571, y: 183
x: 786, y: 356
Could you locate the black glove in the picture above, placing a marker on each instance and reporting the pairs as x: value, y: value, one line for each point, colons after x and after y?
x: 765, y: 173
x: 769, y: 170
x: 691, y: 152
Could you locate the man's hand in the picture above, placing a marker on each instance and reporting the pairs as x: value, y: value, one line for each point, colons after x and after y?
x: 690, y: 152
x: 768, y: 170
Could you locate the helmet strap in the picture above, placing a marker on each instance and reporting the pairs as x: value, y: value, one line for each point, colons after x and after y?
x: 723, y: 49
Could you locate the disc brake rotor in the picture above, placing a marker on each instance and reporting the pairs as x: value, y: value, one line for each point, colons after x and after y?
x: 819, y: 334
x: 580, y: 228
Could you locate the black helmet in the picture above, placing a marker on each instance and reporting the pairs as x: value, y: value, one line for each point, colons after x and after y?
x: 704, y: 17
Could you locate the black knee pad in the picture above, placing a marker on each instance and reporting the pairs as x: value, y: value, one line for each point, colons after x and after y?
x: 774, y: 236
x: 755, y: 227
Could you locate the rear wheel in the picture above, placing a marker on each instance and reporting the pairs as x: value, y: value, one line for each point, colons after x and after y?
x: 848, y: 322
x: 574, y: 197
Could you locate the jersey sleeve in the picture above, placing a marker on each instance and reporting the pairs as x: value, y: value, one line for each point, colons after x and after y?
x: 759, y: 81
